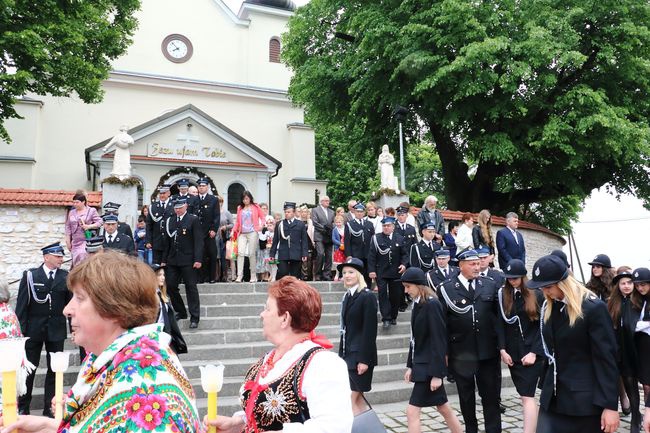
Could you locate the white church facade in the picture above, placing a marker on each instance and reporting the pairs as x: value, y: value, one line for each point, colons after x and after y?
x: 203, y: 94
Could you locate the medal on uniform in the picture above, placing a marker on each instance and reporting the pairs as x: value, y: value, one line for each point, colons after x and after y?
x: 463, y: 301
x: 205, y: 206
x: 184, y: 231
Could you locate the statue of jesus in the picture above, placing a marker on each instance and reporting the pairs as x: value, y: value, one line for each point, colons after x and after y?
x: 122, y: 158
x: 385, y: 162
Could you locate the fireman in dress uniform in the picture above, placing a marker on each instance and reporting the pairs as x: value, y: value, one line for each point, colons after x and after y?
x: 183, y: 192
x: 485, y: 270
x: 387, y: 259
x: 356, y: 238
x: 159, y: 211
x: 442, y: 271
x: 290, y: 243
x: 421, y: 254
x: 114, y: 209
x: 115, y: 240
x: 42, y: 295
x: 402, y: 228
x: 209, y: 214
x: 471, y: 308
x: 182, y: 257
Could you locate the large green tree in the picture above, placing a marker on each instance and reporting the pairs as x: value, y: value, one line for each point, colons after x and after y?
x: 60, y: 47
x: 544, y: 100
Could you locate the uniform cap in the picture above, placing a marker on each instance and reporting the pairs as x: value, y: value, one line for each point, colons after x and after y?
x: 414, y: 275
x: 601, y: 260
x: 289, y: 205
x: 442, y: 252
x: 402, y: 210
x: 359, y: 206
x: 180, y: 202
x: 515, y: 269
x: 203, y: 181
x: 548, y: 270
x: 54, y: 249
x: 112, y: 207
x: 164, y: 187
x: 467, y: 254
x: 183, y: 182
x: 388, y: 220
x: 428, y: 226
x: 109, y: 218
x: 351, y: 262
x: 641, y: 275
x: 483, y: 251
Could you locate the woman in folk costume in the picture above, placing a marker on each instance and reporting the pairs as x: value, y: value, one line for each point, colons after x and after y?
x: 299, y: 386
x: 426, y: 363
x: 131, y: 380
x: 580, y: 386
x: 523, y: 352
x: 358, y: 345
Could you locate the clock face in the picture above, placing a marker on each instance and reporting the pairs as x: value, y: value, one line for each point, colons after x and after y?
x: 177, y: 48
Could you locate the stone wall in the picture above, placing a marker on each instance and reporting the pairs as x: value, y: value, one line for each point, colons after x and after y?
x: 24, y: 230
x: 538, y: 244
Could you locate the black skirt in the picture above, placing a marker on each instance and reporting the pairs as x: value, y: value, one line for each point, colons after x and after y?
x: 361, y: 383
x: 422, y: 396
x: 551, y: 422
x: 526, y: 378
x: 642, y: 341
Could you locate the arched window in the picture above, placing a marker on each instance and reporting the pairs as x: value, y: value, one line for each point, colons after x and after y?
x: 235, y: 190
x: 274, y: 50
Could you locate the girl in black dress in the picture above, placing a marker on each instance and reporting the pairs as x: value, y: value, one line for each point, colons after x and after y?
x: 602, y: 274
x: 167, y: 316
x: 523, y: 352
x: 358, y: 345
x: 579, y: 392
x: 426, y: 364
x: 624, y: 307
x: 641, y: 279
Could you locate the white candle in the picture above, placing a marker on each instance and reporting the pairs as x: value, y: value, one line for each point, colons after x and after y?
x: 59, y: 361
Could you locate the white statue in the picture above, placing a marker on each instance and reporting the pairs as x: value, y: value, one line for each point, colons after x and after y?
x: 385, y: 162
x: 122, y: 159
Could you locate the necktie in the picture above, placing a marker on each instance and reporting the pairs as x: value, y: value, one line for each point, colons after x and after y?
x: 470, y: 288
x: 445, y: 273
x: 514, y: 233
x: 110, y: 239
x: 178, y: 220
x: 51, y: 276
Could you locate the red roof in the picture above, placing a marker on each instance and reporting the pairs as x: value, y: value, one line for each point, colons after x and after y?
x: 496, y: 220
x: 44, y: 197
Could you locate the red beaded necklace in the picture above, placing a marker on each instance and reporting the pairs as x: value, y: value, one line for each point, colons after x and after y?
x: 270, y: 361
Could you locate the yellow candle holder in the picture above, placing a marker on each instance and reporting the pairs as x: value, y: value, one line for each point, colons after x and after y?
x: 211, y: 382
x: 13, y: 353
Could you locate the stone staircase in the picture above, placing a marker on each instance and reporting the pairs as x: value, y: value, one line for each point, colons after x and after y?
x: 230, y: 332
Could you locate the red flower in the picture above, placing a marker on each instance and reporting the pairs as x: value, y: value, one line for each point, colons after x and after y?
x: 157, y: 403
x: 136, y: 404
x: 147, y: 358
x: 147, y: 343
x: 148, y: 418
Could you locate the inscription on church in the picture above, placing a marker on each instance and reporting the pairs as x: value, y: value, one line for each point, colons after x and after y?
x: 186, y: 147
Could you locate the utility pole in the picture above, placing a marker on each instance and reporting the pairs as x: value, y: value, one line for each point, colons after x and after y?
x: 399, y: 113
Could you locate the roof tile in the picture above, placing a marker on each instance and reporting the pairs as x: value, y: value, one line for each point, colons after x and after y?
x: 44, y: 197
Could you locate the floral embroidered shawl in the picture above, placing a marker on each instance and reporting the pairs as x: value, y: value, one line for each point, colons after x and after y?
x: 135, y: 385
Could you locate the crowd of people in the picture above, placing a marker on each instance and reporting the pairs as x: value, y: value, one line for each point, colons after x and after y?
x: 585, y: 346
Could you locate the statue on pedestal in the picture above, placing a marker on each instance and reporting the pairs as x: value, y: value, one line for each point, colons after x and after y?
x: 385, y: 162
x: 122, y: 159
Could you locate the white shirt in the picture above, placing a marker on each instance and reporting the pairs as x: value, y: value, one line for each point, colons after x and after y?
x: 464, y: 238
x: 48, y: 270
x: 326, y: 386
x: 465, y: 282
x: 353, y: 289
x: 514, y: 234
x: 112, y: 235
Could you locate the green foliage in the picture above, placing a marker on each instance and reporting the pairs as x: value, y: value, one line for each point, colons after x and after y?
x: 423, y: 174
x: 60, y: 48
x: 545, y: 99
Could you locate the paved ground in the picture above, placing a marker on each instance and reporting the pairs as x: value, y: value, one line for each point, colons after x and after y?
x: 394, y: 416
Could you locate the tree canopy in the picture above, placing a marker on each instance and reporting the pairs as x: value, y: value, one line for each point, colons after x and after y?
x: 60, y: 47
x: 530, y: 104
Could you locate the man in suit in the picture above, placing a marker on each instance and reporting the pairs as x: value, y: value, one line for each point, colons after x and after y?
x: 421, y: 254
x: 510, y: 243
x: 428, y: 214
x: 114, y: 209
x: 209, y: 214
x: 290, y: 242
x: 42, y: 295
x: 486, y: 271
x: 183, y: 192
x: 357, y: 236
x: 182, y: 257
x: 442, y: 271
x: 402, y: 228
x: 387, y: 259
x: 159, y: 211
x: 471, y: 308
x: 115, y: 240
x: 323, y: 219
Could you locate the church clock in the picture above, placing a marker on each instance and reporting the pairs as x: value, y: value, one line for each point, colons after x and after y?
x: 177, y: 48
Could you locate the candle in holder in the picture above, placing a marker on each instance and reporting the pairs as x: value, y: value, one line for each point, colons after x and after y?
x: 211, y: 382
x: 59, y: 361
x: 13, y: 353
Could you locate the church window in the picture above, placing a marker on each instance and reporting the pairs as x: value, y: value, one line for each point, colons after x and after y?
x: 274, y: 50
x: 235, y: 190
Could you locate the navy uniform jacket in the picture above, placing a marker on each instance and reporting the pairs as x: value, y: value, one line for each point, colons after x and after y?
x: 425, y: 260
x: 358, y: 246
x: 387, y: 266
x: 186, y: 247
x: 209, y: 213
x: 156, y: 223
x: 192, y: 202
x: 359, y: 320
x: 43, y: 322
x: 296, y: 246
x: 428, y: 348
x: 497, y: 276
x: 520, y: 342
x: 472, y: 337
x: 585, y: 354
x: 121, y: 242
x: 435, y: 277
x: 122, y: 228
x: 408, y: 233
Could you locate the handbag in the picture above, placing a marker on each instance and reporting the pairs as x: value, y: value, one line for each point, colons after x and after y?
x: 367, y: 421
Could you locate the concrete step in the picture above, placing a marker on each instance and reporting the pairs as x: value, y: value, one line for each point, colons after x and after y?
x: 220, y: 298
x: 261, y: 288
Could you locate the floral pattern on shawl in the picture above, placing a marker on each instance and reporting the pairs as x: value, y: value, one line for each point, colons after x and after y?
x: 136, y: 385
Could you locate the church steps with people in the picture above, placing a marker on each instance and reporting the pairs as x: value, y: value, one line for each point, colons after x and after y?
x: 231, y: 333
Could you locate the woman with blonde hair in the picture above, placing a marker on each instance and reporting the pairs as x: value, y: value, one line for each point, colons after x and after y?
x: 426, y: 363
x: 482, y: 232
x: 358, y: 345
x: 580, y: 387
x: 166, y: 314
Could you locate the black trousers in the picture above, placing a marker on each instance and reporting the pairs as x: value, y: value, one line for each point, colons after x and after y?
x: 33, y: 351
x: 323, y: 259
x: 157, y: 256
x: 289, y: 267
x: 486, y: 376
x: 172, y: 276
x: 209, y: 263
x: 391, y: 296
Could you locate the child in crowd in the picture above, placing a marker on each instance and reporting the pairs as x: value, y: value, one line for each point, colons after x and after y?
x: 146, y: 255
x: 337, y: 240
x: 264, y: 265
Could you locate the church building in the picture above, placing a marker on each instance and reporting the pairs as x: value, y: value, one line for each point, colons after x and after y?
x: 202, y: 92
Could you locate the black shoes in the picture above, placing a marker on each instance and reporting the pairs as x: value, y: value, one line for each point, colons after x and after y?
x: 502, y: 408
x: 393, y: 322
x: 386, y: 324
x: 179, y: 316
x: 194, y: 325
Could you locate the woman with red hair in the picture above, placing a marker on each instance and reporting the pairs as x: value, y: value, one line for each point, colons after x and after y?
x: 299, y: 381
